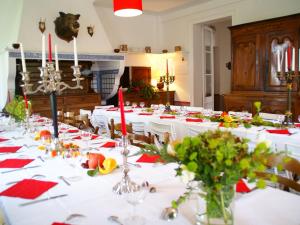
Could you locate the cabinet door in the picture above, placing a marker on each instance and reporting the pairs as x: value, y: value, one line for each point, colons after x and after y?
x: 246, y: 63
x: 139, y: 74
x: 276, y: 43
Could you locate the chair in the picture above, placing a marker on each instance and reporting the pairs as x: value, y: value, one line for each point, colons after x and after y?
x: 115, y: 129
x: 85, y: 112
x: 101, y: 124
x: 159, y: 129
x: 60, y: 116
x: 69, y: 118
x: 140, y: 140
x: 289, y: 164
x: 82, y: 122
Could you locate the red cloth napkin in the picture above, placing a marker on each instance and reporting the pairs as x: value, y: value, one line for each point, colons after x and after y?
x: 193, y: 113
x: 167, y: 117
x: 109, y: 144
x: 297, y: 125
x: 10, y: 149
x: 283, y: 131
x: 28, y: 189
x: 241, y: 187
x: 145, y: 114
x: 3, y: 139
x: 57, y: 223
x: 128, y: 111
x: 15, y: 163
x: 73, y: 131
x: 39, y: 120
x: 79, y: 137
x: 113, y: 109
x: 145, y: 158
x: 194, y: 120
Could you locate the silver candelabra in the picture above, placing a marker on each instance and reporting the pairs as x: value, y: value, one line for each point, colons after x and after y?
x: 51, y: 83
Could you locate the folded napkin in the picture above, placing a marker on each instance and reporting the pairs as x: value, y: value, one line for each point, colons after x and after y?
x: 15, y: 163
x: 79, y: 137
x: 193, y: 113
x: 128, y: 111
x: 194, y: 120
x: 109, y: 144
x: 145, y: 158
x: 57, y: 223
x: 283, y: 131
x: 39, y: 121
x: 297, y: 125
x: 28, y: 189
x: 73, y: 131
x: 10, y: 149
x: 241, y: 187
x: 167, y: 117
x: 113, y: 109
x: 145, y: 114
x: 3, y: 139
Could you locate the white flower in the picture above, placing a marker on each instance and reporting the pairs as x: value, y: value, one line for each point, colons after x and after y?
x: 186, y: 175
x: 170, y: 150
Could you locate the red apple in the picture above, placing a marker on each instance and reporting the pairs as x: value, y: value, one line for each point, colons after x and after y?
x: 95, y: 159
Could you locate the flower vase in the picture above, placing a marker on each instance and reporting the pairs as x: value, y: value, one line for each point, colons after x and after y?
x: 218, y: 210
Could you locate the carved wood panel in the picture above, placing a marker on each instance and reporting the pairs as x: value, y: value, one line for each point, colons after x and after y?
x: 139, y: 74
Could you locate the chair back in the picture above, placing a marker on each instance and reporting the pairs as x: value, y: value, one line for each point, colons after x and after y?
x: 101, y: 124
x: 140, y: 140
x: 60, y: 116
x: 115, y: 129
x: 69, y: 118
x: 85, y: 112
x: 159, y: 129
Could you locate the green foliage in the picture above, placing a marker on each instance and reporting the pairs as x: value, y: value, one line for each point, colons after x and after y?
x: 218, y: 160
x: 146, y: 91
x: 16, y: 108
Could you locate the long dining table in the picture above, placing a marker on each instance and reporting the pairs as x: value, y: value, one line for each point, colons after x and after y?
x: 93, y: 197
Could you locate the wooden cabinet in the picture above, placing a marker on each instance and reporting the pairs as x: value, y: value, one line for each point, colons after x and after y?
x: 68, y: 103
x: 139, y: 74
x: 160, y: 99
x: 254, y: 65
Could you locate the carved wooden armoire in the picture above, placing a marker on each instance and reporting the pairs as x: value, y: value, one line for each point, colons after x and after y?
x: 254, y: 65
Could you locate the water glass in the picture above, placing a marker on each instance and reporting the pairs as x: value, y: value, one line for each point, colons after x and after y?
x: 134, y: 105
x: 127, y: 103
x: 142, y: 104
x: 86, y: 137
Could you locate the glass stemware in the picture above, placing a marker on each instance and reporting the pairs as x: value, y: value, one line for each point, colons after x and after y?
x: 299, y: 118
x: 142, y: 104
x: 134, y: 105
x: 135, y: 198
x: 86, y: 137
x: 127, y: 103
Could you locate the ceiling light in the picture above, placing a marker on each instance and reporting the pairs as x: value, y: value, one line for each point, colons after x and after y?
x: 128, y: 8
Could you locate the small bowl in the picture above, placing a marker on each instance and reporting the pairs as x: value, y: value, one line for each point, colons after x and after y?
x: 116, y: 50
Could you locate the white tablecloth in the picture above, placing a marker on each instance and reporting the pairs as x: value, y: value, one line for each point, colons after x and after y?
x: 93, y: 196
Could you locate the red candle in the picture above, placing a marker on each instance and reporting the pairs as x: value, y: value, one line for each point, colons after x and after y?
x: 26, y: 101
x: 121, y: 105
x: 289, y: 56
x: 167, y: 67
x: 49, y: 48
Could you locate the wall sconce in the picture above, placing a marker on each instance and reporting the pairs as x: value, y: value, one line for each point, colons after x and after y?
x: 90, y: 30
x: 42, y: 25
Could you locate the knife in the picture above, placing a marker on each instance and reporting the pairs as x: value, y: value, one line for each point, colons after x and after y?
x: 43, y: 200
x: 24, y: 168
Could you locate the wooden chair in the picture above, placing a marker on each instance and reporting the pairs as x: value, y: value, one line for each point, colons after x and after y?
x: 115, y: 129
x: 140, y: 140
x: 288, y: 164
x: 60, y: 116
x: 69, y: 118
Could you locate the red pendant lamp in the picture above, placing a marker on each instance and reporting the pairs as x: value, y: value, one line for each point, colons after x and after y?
x: 128, y: 8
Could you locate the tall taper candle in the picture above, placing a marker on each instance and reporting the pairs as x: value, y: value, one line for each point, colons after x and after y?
x: 56, y: 58
x: 278, y: 61
x: 43, y: 50
x: 26, y: 101
x: 49, y: 48
x: 289, y: 55
x: 75, y: 52
x: 286, y: 61
x: 23, y: 58
x: 121, y: 105
x: 293, y: 59
x: 167, y: 70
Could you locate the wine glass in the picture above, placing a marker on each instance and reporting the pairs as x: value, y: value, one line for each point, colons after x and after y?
x: 134, y: 105
x: 142, y: 104
x: 134, y: 198
x: 86, y: 137
x: 127, y: 103
x: 299, y: 118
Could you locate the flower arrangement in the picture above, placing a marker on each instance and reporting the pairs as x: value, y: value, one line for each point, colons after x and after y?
x: 16, y: 108
x: 146, y: 91
x: 216, y: 160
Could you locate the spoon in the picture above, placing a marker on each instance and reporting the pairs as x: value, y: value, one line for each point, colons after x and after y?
x: 169, y: 213
x: 135, y: 164
x: 115, y: 219
x: 72, y: 216
x: 64, y: 180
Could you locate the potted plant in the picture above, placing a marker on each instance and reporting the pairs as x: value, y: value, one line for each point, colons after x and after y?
x: 215, y: 161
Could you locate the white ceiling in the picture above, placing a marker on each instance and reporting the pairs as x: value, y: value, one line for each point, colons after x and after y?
x: 157, y: 6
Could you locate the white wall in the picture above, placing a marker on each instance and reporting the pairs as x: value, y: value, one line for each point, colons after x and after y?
x: 178, y: 27
x: 33, y: 10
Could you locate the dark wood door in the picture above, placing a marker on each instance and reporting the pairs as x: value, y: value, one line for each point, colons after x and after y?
x: 246, y: 71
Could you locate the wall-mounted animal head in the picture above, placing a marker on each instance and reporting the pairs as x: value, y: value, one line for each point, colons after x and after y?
x: 67, y: 26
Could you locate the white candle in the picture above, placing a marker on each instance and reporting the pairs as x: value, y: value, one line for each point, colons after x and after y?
x: 56, y: 58
x: 278, y: 60
x: 43, y: 50
x: 286, y: 62
x: 75, y: 52
x: 293, y: 59
x: 23, y: 58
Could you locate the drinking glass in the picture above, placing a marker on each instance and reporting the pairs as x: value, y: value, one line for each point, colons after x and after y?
x: 299, y: 118
x: 135, y: 198
x: 134, y: 105
x: 142, y: 104
x: 127, y: 103
x: 86, y: 137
